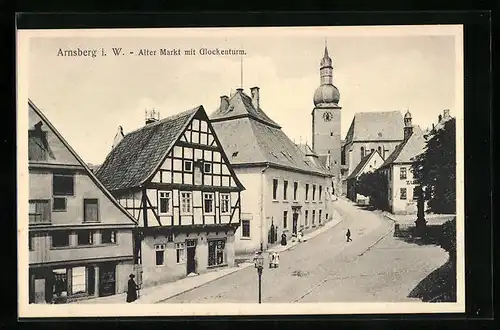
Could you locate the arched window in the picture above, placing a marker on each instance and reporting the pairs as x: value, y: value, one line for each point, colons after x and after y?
x: 379, y: 150
x: 362, y: 152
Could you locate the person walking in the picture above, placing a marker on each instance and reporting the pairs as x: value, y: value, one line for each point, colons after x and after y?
x: 132, y: 289
x: 348, y: 235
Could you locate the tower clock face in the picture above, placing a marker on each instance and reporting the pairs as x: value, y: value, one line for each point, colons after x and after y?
x: 327, y: 116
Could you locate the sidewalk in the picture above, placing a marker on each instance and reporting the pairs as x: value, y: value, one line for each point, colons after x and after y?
x: 168, y: 290
x: 330, y: 224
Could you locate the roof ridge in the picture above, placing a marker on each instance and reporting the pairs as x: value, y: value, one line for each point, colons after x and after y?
x: 166, y: 119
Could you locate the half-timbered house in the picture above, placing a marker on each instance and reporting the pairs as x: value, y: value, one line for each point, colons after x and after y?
x: 80, y: 237
x: 174, y: 177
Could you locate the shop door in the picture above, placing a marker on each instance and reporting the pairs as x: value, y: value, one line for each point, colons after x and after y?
x: 191, y: 256
x: 107, y: 280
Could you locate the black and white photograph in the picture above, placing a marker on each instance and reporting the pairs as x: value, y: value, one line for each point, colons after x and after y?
x: 240, y: 171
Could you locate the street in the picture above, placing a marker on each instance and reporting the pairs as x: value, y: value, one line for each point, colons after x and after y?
x: 374, y: 267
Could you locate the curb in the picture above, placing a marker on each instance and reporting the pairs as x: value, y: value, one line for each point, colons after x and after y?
x: 201, y: 284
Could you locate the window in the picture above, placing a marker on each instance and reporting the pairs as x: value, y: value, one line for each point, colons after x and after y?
x: 208, y: 202
x: 85, y: 237
x: 216, y: 252
x: 362, y: 152
x: 313, y: 217
x: 188, y: 166
x: 307, y: 191
x: 39, y: 211
x: 306, y: 218
x: 207, y: 168
x: 30, y: 241
x: 285, y: 188
x: 275, y: 189
x: 285, y: 220
x: 320, y: 191
x: 402, y: 173
x: 164, y: 200
x: 37, y: 150
x: 186, y: 205
x: 319, y: 216
x: 108, y: 237
x: 60, y: 238
x: 180, y: 251
x: 415, y: 193
x: 402, y: 193
x: 160, y: 254
x: 59, y: 204
x: 91, y: 210
x: 224, y: 203
x: 78, y: 280
x: 245, y: 228
x: 295, y: 188
x: 63, y: 184
x: 379, y: 149
x: 314, y: 191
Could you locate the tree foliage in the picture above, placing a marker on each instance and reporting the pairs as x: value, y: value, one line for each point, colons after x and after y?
x: 435, y: 170
x: 373, y: 185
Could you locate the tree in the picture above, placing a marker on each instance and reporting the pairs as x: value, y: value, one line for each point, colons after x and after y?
x: 373, y: 185
x: 435, y: 169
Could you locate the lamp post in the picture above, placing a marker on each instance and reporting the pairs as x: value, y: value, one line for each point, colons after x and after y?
x: 259, y: 264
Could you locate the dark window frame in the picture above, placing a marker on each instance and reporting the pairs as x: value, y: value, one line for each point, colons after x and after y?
x: 275, y: 189
x: 245, y: 229
x: 67, y: 235
x: 85, y: 202
x: 59, y: 191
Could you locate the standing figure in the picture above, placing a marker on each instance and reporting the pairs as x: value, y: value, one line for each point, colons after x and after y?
x: 348, y: 235
x: 276, y: 259
x: 283, y: 239
x: 132, y: 289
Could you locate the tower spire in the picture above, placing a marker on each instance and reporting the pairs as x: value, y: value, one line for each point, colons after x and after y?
x: 326, y: 48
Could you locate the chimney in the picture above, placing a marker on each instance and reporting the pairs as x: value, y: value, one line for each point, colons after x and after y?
x: 255, y: 97
x: 118, y: 137
x: 151, y: 116
x: 224, y: 103
x: 446, y: 113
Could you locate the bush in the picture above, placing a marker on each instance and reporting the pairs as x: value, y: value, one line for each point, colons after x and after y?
x: 448, y: 239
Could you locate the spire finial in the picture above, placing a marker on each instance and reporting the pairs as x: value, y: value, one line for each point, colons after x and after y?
x: 326, y: 48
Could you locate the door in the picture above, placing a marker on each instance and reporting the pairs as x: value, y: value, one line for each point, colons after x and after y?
x: 191, y: 256
x: 294, y: 223
x: 107, y: 280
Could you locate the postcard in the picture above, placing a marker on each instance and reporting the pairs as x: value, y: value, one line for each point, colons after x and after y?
x: 240, y: 171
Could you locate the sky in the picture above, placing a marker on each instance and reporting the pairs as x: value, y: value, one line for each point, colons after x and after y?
x: 87, y: 98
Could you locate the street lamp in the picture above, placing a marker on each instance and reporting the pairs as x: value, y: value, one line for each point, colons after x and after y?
x: 259, y: 264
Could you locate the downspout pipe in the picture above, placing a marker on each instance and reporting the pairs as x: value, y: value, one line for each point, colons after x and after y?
x: 262, y: 206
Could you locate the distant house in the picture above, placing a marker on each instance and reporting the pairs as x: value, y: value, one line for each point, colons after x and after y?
x: 401, y: 188
x: 175, y: 178
x: 369, y: 163
x: 369, y: 132
x: 286, y: 190
x: 80, y: 237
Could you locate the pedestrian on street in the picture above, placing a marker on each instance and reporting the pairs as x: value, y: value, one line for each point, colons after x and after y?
x: 283, y: 239
x: 348, y: 235
x: 132, y: 289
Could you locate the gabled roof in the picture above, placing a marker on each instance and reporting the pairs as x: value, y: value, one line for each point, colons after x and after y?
x: 376, y: 126
x: 249, y: 140
x: 88, y: 171
x: 240, y: 105
x: 362, y: 164
x: 139, y: 154
x: 407, y: 150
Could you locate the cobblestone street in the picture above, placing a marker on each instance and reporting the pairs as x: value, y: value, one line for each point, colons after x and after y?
x: 375, y: 266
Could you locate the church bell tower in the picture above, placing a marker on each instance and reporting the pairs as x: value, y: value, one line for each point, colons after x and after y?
x: 326, y: 115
